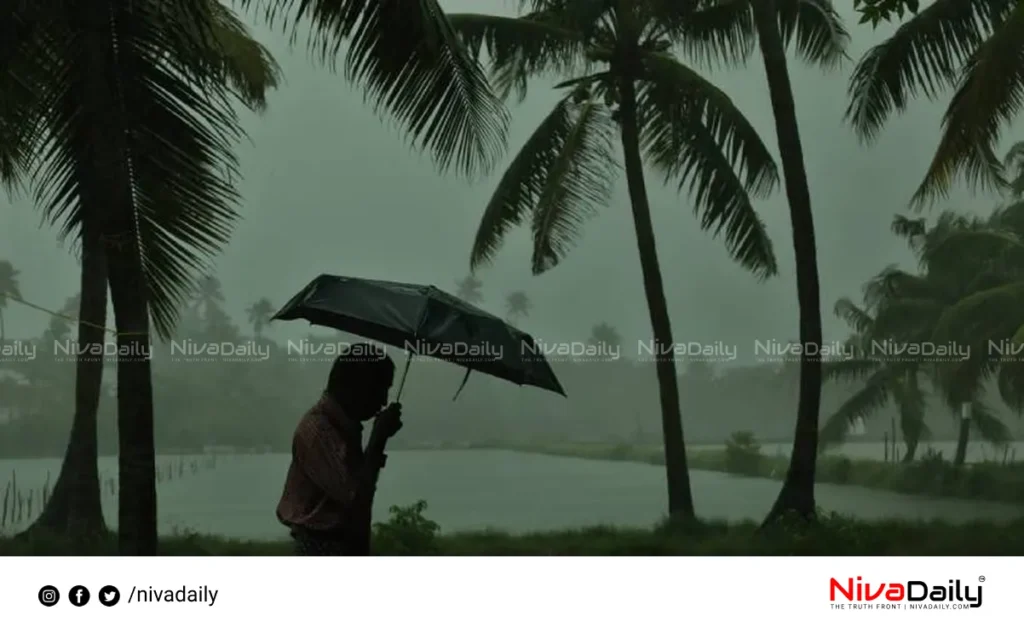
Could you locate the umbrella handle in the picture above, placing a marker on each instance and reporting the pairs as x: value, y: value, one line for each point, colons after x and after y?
x: 405, y: 372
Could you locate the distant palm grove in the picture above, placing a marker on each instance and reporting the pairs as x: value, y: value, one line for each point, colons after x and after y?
x: 120, y: 118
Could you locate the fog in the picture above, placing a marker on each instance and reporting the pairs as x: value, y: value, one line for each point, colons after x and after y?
x: 330, y: 188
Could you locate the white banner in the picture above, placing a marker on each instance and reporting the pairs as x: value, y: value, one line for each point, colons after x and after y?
x: 456, y: 595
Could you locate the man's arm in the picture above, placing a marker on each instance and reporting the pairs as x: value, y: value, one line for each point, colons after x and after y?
x: 322, y: 454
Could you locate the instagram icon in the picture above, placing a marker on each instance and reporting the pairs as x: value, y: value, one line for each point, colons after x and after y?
x: 49, y: 596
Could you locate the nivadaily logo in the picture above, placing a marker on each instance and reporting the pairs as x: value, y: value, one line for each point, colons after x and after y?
x: 911, y: 594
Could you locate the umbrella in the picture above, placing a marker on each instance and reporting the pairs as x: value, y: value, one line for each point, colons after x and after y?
x: 424, y: 321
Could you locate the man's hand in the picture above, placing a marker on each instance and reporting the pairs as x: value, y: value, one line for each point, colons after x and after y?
x: 388, y: 421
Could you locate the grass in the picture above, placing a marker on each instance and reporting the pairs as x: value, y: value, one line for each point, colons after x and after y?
x: 831, y: 536
x: 930, y: 475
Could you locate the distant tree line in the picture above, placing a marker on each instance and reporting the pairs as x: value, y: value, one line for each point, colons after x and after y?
x: 249, y: 393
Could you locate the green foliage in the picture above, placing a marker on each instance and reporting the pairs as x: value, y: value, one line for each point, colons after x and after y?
x: 876, y: 11
x: 743, y: 454
x: 407, y: 532
x: 829, y: 535
x: 839, y: 470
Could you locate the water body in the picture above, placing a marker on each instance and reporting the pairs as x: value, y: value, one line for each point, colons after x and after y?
x: 478, y: 489
x: 976, y: 451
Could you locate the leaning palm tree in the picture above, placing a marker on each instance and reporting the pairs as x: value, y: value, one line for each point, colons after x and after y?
x: 468, y: 289
x: 820, y: 39
x: 986, y: 316
x: 621, y: 79
x: 957, y: 264
x: 882, y: 379
x: 259, y: 314
x: 730, y: 30
x: 9, y: 289
x: 517, y: 304
x: 130, y: 126
x: 974, y: 46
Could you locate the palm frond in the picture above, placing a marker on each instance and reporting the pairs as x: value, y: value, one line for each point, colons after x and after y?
x: 869, y: 399
x: 708, y: 31
x: 907, y: 320
x: 562, y: 174
x: 172, y: 127
x: 989, y: 96
x: 27, y: 65
x: 1014, y: 165
x: 856, y: 317
x: 538, y: 44
x: 695, y: 136
x: 893, y: 283
x: 989, y: 315
x: 988, y: 425
x: 958, y: 247
x: 412, y: 67
x: 851, y: 369
x: 1010, y: 382
x: 910, y: 229
x: 924, y: 56
x: 815, y: 29
x: 239, y: 60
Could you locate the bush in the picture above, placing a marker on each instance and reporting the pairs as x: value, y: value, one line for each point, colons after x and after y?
x: 407, y: 532
x: 839, y: 470
x: 743, y: 454
x: 620, y: 452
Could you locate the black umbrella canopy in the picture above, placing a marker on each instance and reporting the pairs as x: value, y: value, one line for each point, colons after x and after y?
x: 424, y: 321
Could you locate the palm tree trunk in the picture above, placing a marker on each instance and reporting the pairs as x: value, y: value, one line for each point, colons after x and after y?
x: 797, y: 494
x: 911, y: 444
x: 137, y: 503
x: 680, y: 498
x: 961, y: 442
x: 108, y: 186
x: 74, y: 510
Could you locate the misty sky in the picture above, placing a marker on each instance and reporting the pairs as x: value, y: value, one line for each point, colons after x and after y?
x: 329, y: 188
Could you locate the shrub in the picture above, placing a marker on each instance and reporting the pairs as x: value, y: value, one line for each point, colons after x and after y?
x: 407, y: 532
x: 620, y: 452
x: 839, y: 470
x: 743, y: 454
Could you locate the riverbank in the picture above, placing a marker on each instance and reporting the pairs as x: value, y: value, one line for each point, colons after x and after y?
x: 928, y: 476
x: 833, y: 536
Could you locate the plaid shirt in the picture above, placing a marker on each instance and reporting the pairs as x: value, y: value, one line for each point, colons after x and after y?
x: 327, y: 454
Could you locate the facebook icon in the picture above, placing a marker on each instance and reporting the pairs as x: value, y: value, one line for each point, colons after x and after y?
x: 79, y: 596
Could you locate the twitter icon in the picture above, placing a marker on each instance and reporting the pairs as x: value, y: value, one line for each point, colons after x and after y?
x: 109, y: 596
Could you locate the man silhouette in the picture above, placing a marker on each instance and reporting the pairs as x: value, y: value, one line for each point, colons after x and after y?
x: 329, y: 489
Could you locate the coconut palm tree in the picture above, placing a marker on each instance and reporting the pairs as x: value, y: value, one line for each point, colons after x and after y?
x: 208, y: 296
x: 881, y: 379
x: 130, y: 150
x: 974, y: 46
x: 732, y: 30
x: 259, y: 315
x: 820, y: 39
x: 60, y: 326
x: 9, y: 289
x: 622, y: 79
x: 517, y: 304
x: 468, y: 289
x: 957, y: 264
